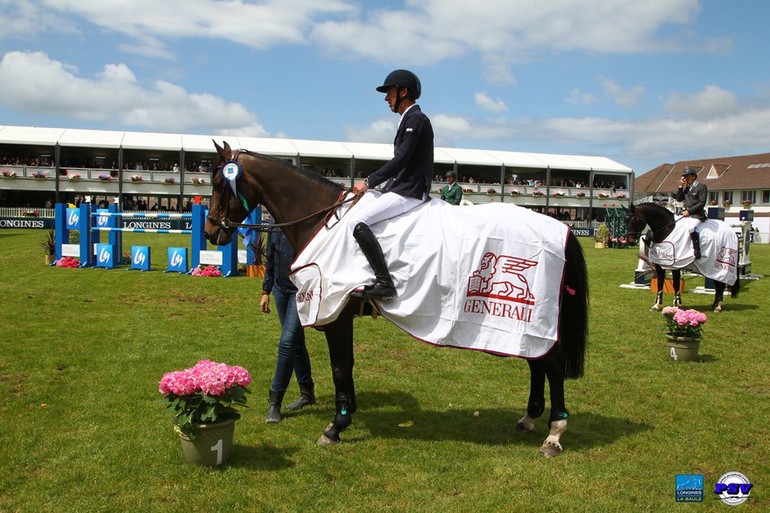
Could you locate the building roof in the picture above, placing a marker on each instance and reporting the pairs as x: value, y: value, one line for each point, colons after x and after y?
x: 721, y: 173
x: 41, y: 136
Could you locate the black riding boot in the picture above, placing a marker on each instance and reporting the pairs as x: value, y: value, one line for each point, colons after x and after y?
x: 306, y: 397
x: 274, y: 407
x: 695, y: 243
x: 383, y: 288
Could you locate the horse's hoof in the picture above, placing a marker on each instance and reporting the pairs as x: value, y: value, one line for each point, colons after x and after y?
x: 520, y: 426
x: 325, y: 440
x: 655, y: 307
x: 718, y: 307
x: 550, y: 450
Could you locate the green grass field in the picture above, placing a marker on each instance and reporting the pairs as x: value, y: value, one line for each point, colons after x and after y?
x: 82, y: 351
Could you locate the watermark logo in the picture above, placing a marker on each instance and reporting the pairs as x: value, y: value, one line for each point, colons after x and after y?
x: 689, y: 488
x: 733, y: 488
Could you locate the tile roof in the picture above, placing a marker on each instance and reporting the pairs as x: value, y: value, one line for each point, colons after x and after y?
x: 719, y: 174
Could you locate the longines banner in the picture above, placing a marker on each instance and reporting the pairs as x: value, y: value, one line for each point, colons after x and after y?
x: 144, y: 224
x: 26, y: 222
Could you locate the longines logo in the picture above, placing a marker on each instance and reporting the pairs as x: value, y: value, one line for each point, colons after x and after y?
x: 501, y: 278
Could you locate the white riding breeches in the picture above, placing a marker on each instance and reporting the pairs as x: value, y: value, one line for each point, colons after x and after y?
x: 388, y: 205
x: 691, y: 223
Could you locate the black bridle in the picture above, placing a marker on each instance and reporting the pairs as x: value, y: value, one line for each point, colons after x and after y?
x: 653, y: 235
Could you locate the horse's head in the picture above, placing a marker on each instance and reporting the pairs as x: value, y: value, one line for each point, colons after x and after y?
x: 635, y: 224
x: 230, y: 202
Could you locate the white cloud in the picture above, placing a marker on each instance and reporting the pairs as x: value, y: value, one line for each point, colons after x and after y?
x: 579, y: 97
x: 499, y: 73
x: 712, y: 101
x: 505, y: 31
x: 25, y: 20
x: 380, y: 130
x: 621, y: 96
x: 35, y: 84
x: 500, y: 32
x: 256, y: 25
x: 486, y: 102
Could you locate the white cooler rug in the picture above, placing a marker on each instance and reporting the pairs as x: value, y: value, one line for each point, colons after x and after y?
x: 486, y: 277
x: 718, y: 248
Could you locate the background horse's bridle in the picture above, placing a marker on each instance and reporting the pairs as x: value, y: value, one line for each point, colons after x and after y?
x: 650, y: 239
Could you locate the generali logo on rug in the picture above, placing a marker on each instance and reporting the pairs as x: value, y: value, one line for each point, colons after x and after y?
x: 727, y: 256
x: 499, y: 287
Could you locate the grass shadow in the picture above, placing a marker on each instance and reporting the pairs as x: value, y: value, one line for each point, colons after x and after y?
x: 484, y: 426
x: 261, y: 457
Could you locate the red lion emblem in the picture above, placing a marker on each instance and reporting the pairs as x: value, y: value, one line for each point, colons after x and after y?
x: 500, y: 277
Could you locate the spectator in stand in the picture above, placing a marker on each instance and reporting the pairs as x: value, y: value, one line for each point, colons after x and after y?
x: 452, y: 193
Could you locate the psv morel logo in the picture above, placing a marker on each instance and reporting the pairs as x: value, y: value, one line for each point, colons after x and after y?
x: 499, y: 287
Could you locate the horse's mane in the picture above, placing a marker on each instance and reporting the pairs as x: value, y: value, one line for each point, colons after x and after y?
x: 654, y: 205
x: 323, y: 181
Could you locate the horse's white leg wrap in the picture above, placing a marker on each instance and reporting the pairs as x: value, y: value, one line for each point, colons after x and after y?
x: 551, y: 446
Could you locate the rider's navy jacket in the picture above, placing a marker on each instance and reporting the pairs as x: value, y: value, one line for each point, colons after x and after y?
x: 410, y: 171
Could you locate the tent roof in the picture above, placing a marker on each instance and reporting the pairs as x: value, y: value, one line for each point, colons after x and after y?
x: 294, y: 147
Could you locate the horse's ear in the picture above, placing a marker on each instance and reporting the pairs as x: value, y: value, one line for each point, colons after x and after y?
x: 226, y: 153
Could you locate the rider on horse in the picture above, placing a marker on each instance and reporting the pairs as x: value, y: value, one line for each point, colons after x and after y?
x: 408, y: 176
x: 694, y: 195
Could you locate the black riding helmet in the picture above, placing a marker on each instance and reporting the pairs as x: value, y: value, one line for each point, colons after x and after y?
x: 402, y: 78
x: 689, y: 171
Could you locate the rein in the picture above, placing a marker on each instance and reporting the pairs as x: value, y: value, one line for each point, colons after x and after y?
x: 226, y: 223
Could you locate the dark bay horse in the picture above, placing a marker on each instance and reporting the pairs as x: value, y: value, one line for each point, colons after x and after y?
x: 299, y: 200
x: 662, y: 223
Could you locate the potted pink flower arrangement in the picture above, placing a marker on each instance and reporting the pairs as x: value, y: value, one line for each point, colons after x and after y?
x: 68, y: 262
x: 198, y: 180
x: 685, y: 329
x: 204, y: 401
x: 210, y: 271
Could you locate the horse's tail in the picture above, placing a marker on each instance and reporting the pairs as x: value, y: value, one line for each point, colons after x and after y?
x: 735, y: 288
x: 573, y: 319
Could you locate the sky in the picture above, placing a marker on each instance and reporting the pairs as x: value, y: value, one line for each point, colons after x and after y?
x: 640, y: 82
